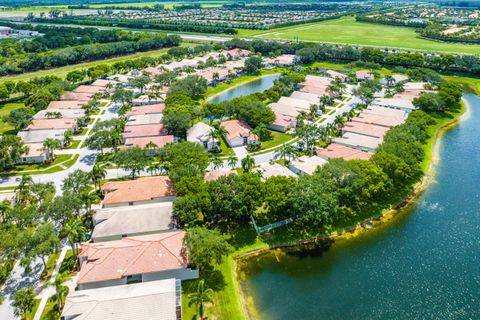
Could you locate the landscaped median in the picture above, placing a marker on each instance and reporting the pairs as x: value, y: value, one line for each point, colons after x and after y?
x: 61, y: 162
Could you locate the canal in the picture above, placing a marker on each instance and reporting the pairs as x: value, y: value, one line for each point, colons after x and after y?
x: 424, y: 265
x: 258, y: 85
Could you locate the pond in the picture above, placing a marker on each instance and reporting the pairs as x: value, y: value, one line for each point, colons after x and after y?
x: 424, y: 265
x: 258, y: 85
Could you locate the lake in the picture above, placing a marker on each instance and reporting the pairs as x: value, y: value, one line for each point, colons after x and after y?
x: 423, y: 265
x: 258, y: 85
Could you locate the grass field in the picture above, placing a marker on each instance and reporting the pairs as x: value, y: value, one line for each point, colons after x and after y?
x: 347, y: 30
x: 62, y: 71
x: 5, y: 109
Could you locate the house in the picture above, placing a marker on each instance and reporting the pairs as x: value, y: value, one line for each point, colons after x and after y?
x: 160, y: 300
x: 316, y: 81
x: 65, y: 104
x: 62, y: 113
x: 144, y: 100
x: 146, y: 130
x: 396, y: 78
x: 143, y: 142
x: 284, y: 60
x: 148, y: 109
x: 125, y: 79
x: 386, y: 112
x: 274, y: 169
x: 139, y: 191
x: 152, y: 71
x: 77, y: 96
x: 105, y: 83
x: 335, y: 150
x: 365, y: 129
x: 237, y: 53
x: 310, y: 97
x: 134, y: 259
x: 53, y: 124
x: 239, y: 133
x: 359, y: 141
x: 306, y: 165
x: 89, y: 89
x: 200, y: 133
x: 378, y: 120
x: 142, y: 119
x: 283, y: 121
x: 364, y: 75
x: 38, y: 136
x: 119, y: 222
x: 320, y: 91
x: 335, y: 74
x: 215, y: 174
x: 36, y: 154
x: 394, y: 103
x: 298, y: 104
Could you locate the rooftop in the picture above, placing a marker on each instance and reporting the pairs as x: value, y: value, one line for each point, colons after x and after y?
x: 145, y: 130
x: 214, y: 175
x: 272, y: 170
x: 359, y: 141
x: 133, y: 220
x: 308, y: 164
x: 142, y: 119
x: 35, y: 150
x: 387, y: 112
x: 365, y: 129
x: 65, y: 113
x: 142, y: 189
x: 310, y: 97
x: 236, y: 129
x: 77, y: 96
x: 66, y: 104
x: 199, y: 132
x: 142, y: 142
x: 61, y: 123
x: 131, y: 256
x: 140, y: 301
x: 394, y: 103
x: 379, y: 120
x: 148, y: 109
x: 41, y: 135
x: 335, y: 150
x: 89, y: 89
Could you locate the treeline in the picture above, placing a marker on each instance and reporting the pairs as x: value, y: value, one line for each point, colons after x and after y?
x: 72, y: 55
x: 138, y: 24
x: 61, y: 37
x: 436, y: 31
x: 391, y: 21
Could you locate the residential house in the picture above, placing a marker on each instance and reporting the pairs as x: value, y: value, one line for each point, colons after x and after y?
x: 146, y: 130
x: 125, y: 79
x: 148, y: 109
x: 36, y: 154
x: 306, y: 165
x: 65, y: 104
x: 364, y: 75
x: 159, y: 300
x: 215, y: 174
x: 335, y: 150
x: 200, y: 133
x: 62, y: 113
x: 394, y: 103
x: 335, y: 74
x: 359, y: 141
x: 269, y: 170
x: 284, y: 60
x: 310, y: 97
x: 38, y: 136
x: 239, y: 133
x: 152, y: 71
x: 89, y: 89
x: 139, y: 191
x: 119, y: 222
x: 237, y: 53
x: 144, y: 100
x: 365, y: 129
x: 142, y: 119
x: 378, y: 120
x: 53, y: 124
x: 386, y: 112
x: 134, y: 259
x: 104, y: 83
x: 77, y: 96
x: 144, y: 142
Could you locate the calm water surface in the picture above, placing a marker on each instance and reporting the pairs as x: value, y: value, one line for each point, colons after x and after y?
x: 259, y: 85
x: 425, y: 265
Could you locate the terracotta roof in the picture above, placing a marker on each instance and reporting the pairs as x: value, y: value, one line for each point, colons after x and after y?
x: 148, y: 109
x: 131, y: 256
x: 84, y: 97
x: 35, y: 150
x: 61, y: 123
x: 142, y: 142
x: 335, y: 74
x: 335, y: 150
x: 104, y: 83
x: 68, y: 104
x: 315, y: 90
x: 379, y: 120
x: 88, y: 89
x: 365, y: 129
x: 143, y: 189
x: 214, y: 175
x: 145, y: 130
x: 237, y: 129
x: 152, y: 70
x: 364, y: 74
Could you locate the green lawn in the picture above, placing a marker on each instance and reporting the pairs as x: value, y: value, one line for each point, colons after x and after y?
x: 347, y: 30
x: 278, y: 138
x: 226, y: 150
x: 39, y: 166
x: 5, y: 110
x: 74, y: 144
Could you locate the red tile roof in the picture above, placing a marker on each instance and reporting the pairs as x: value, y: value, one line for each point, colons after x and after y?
x: 365, y: 129
x: 60, y: 123
x: 148, y: 109
x: 131, y: 256
x: 143, y: 189
x: 70, y: 104
x: 236, y: 129
x: 339, y: 151
x: 89, y: 89
x: 142, y: 142
x: 144, y: 130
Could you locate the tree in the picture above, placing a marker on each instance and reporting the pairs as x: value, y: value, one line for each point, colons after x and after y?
x: 23, y: 302
x: 61, y: 291
x: 201, y: 297
x: 193, y: 86
x: 232, y: 162
x: 217, y: 162
x: 206, y: 246
x: 76, y: 182
x: 248, y: 163
x: 287, y: 151
x: 177, y: 123
x: 97, y: 174
x: 252, y: 64
x: 428, y: 102
x: 19, y: 118
x: 74, y: 229
x: 75, y: 76
x: 42, y: 242
x: 133, y: 159
x: 50, y: 144
x: 11, y: 150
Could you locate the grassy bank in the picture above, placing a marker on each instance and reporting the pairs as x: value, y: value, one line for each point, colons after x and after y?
x: 348, y: 31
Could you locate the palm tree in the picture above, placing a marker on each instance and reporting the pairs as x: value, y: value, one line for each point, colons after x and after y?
x: 290, y: 151
x: 60, y: 290
x: 97, y: 174
x: 74, y: 229
x: 4, y: 207
x: 232, y: 162
x: 248, y: 163
x: 151, y: 147
x: 201, y: 297
x: 67, y: 137
x: 50, y: 145
x: 216, y: 162
x: 24, y: 187
x: 261, y: 131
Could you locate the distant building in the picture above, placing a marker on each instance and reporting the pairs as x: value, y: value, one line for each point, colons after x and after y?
x: 201, y: 133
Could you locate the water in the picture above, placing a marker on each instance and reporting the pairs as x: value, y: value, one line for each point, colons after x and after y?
x: 259, y: 85
x: 425, y: 265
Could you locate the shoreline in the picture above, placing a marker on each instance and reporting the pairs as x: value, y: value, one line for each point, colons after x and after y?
x: 368, y: 224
